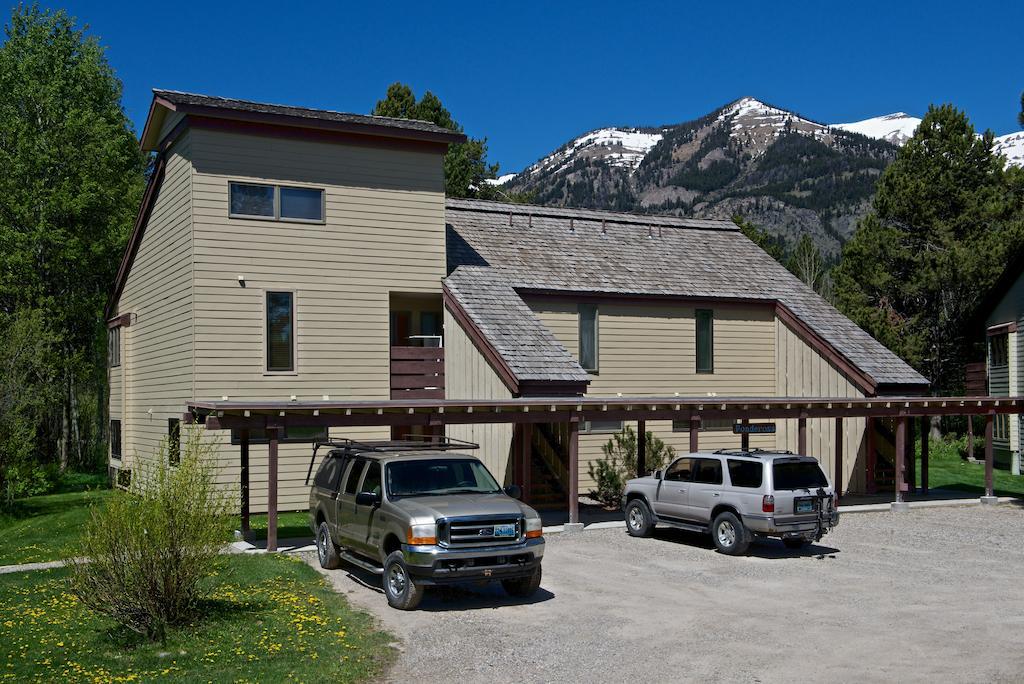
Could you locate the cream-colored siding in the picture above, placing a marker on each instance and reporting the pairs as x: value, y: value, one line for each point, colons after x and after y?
x: 650, y: 349
x: 468, y: 375
x: 383, y: 233
x: 154, y: 381
x: 803, y: 372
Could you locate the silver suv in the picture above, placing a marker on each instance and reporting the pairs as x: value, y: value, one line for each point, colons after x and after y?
x: 736, y: 496
x: 419, y: 515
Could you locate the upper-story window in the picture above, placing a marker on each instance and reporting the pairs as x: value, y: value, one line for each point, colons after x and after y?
x: 999, y: 349
x: 280, y: 331
x: 276, y: 202
x: 705, y: 323
x: 114, y: 346
x: 588, y: 337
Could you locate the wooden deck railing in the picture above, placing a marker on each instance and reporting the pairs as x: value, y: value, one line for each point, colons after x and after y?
x: 417, y: 373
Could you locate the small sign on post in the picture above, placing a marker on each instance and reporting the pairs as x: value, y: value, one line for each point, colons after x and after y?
x: 753, y: 428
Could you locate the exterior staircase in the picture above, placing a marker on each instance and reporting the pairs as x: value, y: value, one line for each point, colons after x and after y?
x: 549, y: 474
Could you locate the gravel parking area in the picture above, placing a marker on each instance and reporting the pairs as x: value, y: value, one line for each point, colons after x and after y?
x: 935, y: 594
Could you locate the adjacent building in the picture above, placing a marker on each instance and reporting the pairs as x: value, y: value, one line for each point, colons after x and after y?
x: 284, y: 253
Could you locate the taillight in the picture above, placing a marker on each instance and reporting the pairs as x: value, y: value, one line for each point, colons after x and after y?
x: 768, y: 503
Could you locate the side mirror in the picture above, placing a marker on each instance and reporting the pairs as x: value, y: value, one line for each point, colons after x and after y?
x: 367, y: 499
x: 515, y: 491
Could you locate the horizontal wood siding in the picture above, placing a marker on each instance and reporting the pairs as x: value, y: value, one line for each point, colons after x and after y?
x: 156, y: 352
x: 651, y: 349
x: 470, y: 376
x: 803, y: 372
x: 383, y: 233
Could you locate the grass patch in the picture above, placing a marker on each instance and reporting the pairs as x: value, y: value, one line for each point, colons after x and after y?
x: 40, y: 528
x: 946, y: 470
x: 270, y: 618
x: 291, y: 525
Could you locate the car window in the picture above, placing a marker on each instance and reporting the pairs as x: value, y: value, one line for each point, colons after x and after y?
x: 707, y: 471
x: 798, y: 475
x: 745, y: 473
x: 327, y: 476
x: 353, y: 476
x: 438, y: 477
x: 680, y: 471
x: 371, y: 483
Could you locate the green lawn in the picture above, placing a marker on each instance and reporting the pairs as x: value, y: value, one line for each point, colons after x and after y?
x: 290, y: 525
x: 947, y: 470
x: 270, y: 618
x: 39, y: 528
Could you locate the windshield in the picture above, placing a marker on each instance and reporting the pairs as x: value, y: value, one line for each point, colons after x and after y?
x: 798, y: 475
x: 437, y: 477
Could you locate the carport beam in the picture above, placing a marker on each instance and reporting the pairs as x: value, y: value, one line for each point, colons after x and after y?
x: 272, y: 437
x: 838, y: 476
x: 525, y: 456
x: 801, y: 444
x: 641, y: 448
x: 243, y: 440
x: 745, y: 437
x: 989, y: 426
x: 574, y: 471
x: 901, y: 457
x: 694, y: 432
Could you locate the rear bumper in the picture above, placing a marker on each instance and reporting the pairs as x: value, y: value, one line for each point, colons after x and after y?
x: 439, y: 565
x: 814, y: 526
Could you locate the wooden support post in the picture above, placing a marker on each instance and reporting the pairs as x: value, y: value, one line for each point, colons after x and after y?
x: 910, y: 463
x: 745, y: 437
x: 243, y: 440
x: 801, y: 443
x: 871, y: 461
x: 574, y: 471
x: 641, y: 448
x: 273, y: 434
x: 989, y: 427
x: 926, y: 426
x: 970, y: 437
x: 694, y: 432
x: 901, y: 453
x: 525, y: 458
x: 837, y: 478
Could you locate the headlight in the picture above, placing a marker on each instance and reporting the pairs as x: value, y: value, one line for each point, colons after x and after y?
x: 534, y: 528
x: 422, y: 535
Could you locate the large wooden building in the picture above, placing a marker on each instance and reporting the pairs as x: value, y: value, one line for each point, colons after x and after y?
x: 289, y: 254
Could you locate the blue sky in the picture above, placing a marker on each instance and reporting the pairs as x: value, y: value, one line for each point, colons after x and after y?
x: 530, y: 76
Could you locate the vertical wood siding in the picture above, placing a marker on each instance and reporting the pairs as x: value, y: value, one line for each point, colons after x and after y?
x: 468, y: 375
x: 156, y: 352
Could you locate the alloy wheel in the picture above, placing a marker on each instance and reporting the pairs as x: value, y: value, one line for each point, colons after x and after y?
x: 726, y: 533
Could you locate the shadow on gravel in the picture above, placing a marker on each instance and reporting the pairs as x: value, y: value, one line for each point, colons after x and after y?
x: 468, y: 596
x: 771, y: 549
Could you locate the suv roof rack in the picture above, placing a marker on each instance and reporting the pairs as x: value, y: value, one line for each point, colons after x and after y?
x: 411, y: 442
x: 751, y: 452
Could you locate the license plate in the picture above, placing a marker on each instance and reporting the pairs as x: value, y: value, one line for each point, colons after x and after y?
x: 805, y: 505
x: 504, y: 530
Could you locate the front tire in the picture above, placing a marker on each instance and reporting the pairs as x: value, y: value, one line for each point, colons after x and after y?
x: 729, y: 534
x: 639, y: 521
x: 523, y: 587
x: 326, y: 551
x: 402, y: 591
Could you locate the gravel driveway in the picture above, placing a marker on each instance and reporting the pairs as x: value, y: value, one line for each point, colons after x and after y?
x: 930, y: 594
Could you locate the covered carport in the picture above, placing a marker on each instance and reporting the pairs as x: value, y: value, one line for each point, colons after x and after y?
x: 908, y: 412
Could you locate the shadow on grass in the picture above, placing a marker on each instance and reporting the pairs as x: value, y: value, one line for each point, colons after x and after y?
x: 769, y: 549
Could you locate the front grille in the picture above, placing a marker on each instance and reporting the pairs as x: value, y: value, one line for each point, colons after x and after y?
x: 477, y: 531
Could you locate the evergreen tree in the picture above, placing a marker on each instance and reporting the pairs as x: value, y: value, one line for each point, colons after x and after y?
x: 939, y: 234
x: 773, y: 245
x: 465, y: 165
x: 71, y: 175
x: 807, y: 264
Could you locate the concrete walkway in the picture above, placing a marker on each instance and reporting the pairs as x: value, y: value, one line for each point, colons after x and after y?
x: 26, y: 567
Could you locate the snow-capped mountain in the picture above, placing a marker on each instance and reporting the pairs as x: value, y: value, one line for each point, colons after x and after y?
x: 622, y: 147
x: 1010, y: 146
x: 897, y: 128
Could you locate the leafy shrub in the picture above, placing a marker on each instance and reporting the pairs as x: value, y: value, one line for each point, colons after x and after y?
x: 147, y: 551
x: 619, y: 464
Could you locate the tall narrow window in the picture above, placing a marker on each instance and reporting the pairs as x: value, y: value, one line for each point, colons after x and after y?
x: 115, y: 439
x: 114, y: 346
x: 280, y: 331
x: 588, y: 337
x: 173, y: 441
x: 705, y: 321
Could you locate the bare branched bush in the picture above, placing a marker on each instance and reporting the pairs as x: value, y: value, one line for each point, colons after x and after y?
x: 145, y: 554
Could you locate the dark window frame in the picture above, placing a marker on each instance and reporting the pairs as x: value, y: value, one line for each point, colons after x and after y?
x: 276, y: 215
x: 699, y: 468
x: 354, y: 478
x: 293, y: 368
x: 701, y: 318
x: 115, y: 438
x: 114, y: 347
x: 670, y: 466
x: 588, y: 427
x: 173, y: 441
x: 596, y: 332
x: 741, y: 464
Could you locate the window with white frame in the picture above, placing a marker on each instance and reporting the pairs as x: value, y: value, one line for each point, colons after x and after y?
x: 276, y: 202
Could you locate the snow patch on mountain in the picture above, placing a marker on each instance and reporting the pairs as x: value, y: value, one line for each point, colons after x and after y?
x: 624, y: 147
x: 500, y: 180
x: 1010, y: 146
x: 897, y: 127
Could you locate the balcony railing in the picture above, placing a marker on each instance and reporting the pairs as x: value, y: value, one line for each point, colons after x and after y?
x: 417, y: 372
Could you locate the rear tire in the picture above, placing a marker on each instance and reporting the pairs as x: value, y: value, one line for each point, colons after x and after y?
x: 523, y: 587
x: 795, y: 543
x: 402, y: 591
x: 326, y: 551
x: 639, y: 521
x: 729, y: 534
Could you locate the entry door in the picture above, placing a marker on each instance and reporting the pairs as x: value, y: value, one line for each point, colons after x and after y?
x: 706, y: 488
x: 673, y: 491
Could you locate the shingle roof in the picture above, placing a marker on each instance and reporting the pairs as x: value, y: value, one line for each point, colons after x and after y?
x: 589, y: 251
x: 527, y: 346
x: 181, y: 99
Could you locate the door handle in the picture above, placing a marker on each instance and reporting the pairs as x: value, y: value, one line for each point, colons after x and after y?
x: 682, y: 491
x: 715, y: 494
